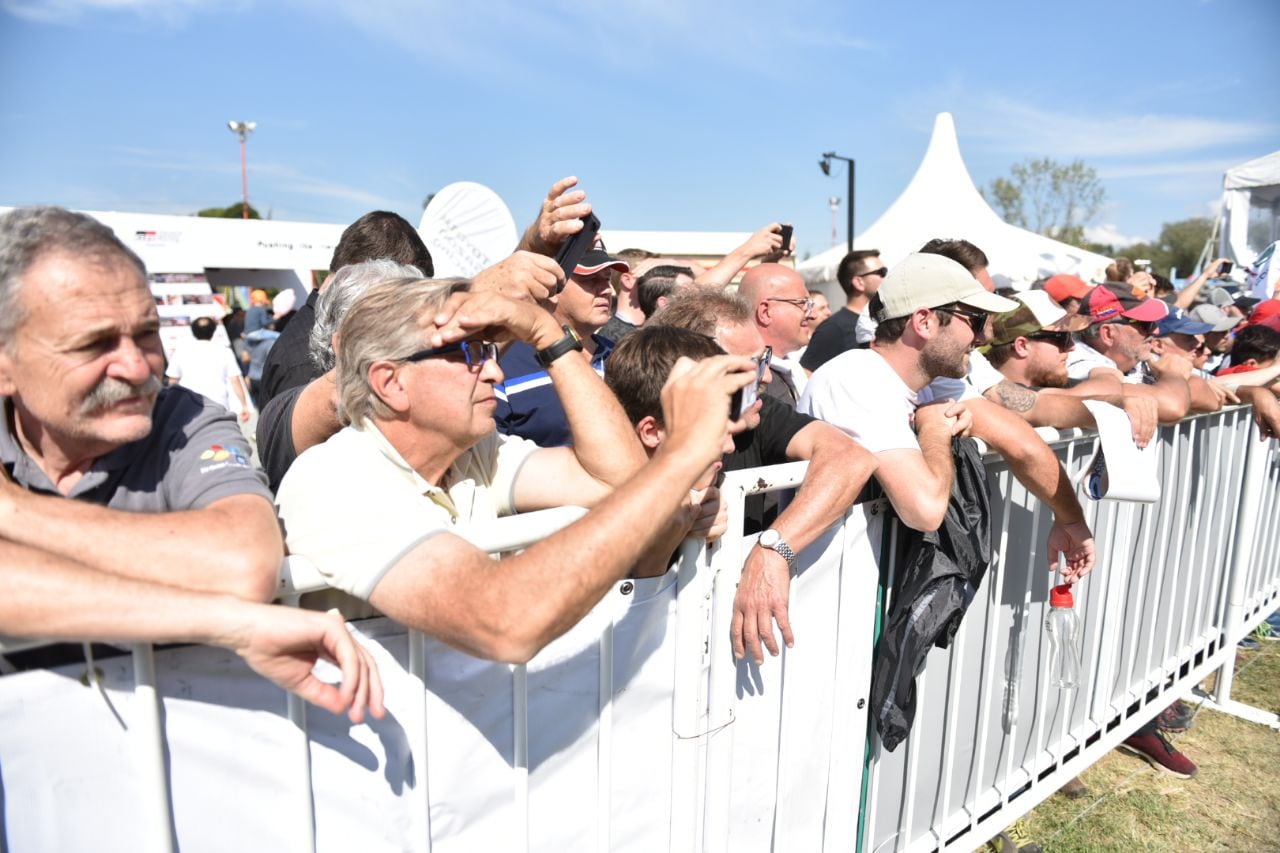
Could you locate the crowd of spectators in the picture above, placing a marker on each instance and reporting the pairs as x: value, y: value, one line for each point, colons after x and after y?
x: 398, y: 409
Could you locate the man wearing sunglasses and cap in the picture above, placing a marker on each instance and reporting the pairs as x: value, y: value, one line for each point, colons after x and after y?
x: 1030, y: 345
x: 1180, y: 334
x: 528, y: 406
x: 1115, y: 346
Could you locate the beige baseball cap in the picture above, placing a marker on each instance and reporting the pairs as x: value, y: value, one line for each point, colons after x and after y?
x: 926, y: 280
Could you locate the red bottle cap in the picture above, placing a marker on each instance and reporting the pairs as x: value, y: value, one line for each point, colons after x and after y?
x: 1060, y: 596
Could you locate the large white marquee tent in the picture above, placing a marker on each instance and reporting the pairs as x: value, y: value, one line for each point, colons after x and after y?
x: 942, y: 201
x: 1250, y: 190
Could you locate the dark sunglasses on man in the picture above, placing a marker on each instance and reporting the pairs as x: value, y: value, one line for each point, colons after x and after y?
x: 1061, y: 340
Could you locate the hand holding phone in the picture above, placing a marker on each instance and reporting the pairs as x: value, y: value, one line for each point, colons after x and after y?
x: 577, y: 245
x: 786, y: 240
x: 1225, y: 268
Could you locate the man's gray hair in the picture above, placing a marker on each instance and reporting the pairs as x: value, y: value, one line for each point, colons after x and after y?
x: 385, y: 323
x: 338, y: 294
x: 703, y: 310
x: 27, y: 234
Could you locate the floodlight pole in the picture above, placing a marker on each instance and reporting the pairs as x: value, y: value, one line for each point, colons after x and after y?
x: 243, y: 129
x: 834, y: 201
x: 825, y: 165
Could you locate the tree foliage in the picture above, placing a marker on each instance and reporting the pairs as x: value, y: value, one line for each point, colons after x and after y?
x: 1177, y: 248
x: 235, y: 211
x: 1048, y: 197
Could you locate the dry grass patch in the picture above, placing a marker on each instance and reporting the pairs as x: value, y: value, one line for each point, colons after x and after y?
x: 1233, y: 802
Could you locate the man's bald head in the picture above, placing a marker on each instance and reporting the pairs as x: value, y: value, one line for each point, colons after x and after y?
x: 766, y: 280
x: 780, y: 306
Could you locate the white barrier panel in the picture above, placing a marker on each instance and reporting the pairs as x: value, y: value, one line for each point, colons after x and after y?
x: 637, y: 730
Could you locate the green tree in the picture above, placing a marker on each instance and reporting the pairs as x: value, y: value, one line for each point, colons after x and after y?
x: 1048, y: 197
x: 235, y: 211
x: 1181, y: 242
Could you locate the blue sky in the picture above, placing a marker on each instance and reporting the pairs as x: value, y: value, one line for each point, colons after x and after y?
x: 702, y: 115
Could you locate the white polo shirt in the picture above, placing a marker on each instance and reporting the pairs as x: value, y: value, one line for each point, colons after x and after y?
x: 354, y: 507
x: 861, y: 394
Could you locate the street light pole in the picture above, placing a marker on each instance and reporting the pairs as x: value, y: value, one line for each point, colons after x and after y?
x: 243, y: 129
x: 834, y: 201
x: 825, y: 165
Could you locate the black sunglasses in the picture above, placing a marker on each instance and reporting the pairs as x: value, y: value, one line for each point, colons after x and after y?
x: 882, y: 272
x: 475, y: 352
x: 1061, y: 340
x: 977, y: 320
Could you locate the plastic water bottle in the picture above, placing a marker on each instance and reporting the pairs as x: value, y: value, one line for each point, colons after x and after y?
x: 1063, y: 629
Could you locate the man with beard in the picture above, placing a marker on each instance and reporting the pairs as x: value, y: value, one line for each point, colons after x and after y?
x: 159, y: 478
x: 931, y: 312
x: 1029, y: 346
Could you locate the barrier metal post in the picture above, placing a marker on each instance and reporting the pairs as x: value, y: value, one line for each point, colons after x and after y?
x: 148, y: 738
x: 1255, y: 465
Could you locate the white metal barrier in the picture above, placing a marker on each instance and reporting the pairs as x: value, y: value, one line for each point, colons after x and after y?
x: 638, y: 731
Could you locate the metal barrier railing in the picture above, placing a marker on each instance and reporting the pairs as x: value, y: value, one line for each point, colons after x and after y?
x: 651, y: 731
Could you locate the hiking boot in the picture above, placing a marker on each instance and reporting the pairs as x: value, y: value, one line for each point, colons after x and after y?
x: 1176, y: 718
x: 1151, y: 745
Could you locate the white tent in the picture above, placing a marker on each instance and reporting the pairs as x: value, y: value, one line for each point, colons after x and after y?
x: 941, y: 201
x: 1251, y: 188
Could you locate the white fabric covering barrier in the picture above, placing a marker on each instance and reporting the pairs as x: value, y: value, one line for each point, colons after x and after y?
x: 638, y: 731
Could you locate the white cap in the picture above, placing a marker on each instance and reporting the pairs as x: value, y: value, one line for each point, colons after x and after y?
x: 926, y: 280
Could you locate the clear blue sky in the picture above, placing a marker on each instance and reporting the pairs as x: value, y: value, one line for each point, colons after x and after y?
x: 702, y: 114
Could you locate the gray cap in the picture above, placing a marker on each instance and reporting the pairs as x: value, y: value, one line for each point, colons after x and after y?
x: 1216, y: 317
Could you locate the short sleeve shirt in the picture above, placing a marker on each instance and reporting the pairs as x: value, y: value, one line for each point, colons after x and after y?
x: 275, y: 434
x: 194, y: 455
x: 836, y: 334
x: 861, y: 394
x: 1082, y: 360
x: 765, y: 445
x: 354, y: 507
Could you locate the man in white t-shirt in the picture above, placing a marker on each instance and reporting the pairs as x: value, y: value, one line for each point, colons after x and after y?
x: 931, y: 312
x: 376, y: 507
x: 208, y: 368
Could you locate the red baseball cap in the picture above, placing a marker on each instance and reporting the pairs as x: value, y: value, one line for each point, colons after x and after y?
x: 1107, y: 302
x: 1064, y: 286
x: 1264, y: 311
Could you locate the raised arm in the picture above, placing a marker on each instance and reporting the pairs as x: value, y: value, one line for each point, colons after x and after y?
x: 605, y: 451
x: 765, y: 244
x: 558, y: 218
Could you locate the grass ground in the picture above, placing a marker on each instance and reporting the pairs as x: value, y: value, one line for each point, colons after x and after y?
x: 1233, y: 803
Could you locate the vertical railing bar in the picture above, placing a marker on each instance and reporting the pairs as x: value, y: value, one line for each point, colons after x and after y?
x: 1028, y: 566
x: 1168, y: 478
x: 296, y: 709
x: 1213, y: 528
x: 418, y: 741
x: 988, y: 676
x: 1192, y: 560
x: 907, y: 816
x: 520, y: 749
x: 149, y: 744
x: 890, y: 557
x: 1184, y: 482
x: 604, y: 744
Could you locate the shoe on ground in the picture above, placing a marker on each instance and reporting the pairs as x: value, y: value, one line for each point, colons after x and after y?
x: 1151, y: 745
x: 1176, y: 718
x: 1248, y: 644
x: 1074, y: 789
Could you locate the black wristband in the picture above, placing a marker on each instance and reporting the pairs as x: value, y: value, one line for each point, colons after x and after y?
x: 568, y: 343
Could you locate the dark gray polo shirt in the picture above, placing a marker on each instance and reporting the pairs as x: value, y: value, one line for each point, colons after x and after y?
x: 194, y: 455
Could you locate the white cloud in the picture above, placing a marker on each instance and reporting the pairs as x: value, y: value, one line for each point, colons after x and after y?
x: 72, y: 11
x: 1111, y: 236
x: 1024, y: 127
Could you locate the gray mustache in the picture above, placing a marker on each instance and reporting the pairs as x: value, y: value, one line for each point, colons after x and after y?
x: 111, y: 391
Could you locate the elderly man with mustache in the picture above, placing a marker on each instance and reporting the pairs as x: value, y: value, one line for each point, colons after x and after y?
x: 160, y: 484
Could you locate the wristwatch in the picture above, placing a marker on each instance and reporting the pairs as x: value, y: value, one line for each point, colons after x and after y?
x: 773, y: 540
x: 568, y: 343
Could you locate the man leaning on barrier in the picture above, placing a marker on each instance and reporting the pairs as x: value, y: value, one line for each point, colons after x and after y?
x: 376, y: 506
x: 159, y: 479
x: 931, y: 313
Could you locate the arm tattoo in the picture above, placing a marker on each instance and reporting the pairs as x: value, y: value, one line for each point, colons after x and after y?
x: 1013, y: 396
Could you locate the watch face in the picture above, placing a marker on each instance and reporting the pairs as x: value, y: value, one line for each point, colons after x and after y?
x: 769, y: 538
